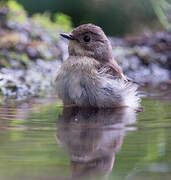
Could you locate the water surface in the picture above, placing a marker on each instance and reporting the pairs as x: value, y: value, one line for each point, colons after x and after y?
x: 41, y: 140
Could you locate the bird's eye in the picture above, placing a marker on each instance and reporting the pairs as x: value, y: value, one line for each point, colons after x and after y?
x: 86, y: 38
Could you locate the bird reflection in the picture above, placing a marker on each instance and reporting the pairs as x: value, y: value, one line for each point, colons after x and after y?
x: 91, y: 138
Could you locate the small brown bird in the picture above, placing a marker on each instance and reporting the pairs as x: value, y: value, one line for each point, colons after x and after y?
x: 91, y: 76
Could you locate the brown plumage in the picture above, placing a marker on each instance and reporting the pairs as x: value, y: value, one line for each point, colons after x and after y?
x: 98, y: 48
x: 91, y: 76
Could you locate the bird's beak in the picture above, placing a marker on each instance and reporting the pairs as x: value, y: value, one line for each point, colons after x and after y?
x: 67, y: 36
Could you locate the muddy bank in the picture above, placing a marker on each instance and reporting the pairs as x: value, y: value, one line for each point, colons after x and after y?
x: 31, y: 53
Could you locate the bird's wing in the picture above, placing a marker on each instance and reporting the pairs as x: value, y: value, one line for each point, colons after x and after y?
x: 115, y: 69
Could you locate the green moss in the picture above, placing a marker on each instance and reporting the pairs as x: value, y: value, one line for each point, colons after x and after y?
x: 13, y: 5
x: 4, y: 62
x: 43, y: 20
x: 19, y: 57
x: 16, y: 12
x: 1, y: 97
x: 63, y: 21
x: 24, y: 58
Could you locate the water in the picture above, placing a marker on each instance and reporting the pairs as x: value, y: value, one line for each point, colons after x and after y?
x: 40, y: 140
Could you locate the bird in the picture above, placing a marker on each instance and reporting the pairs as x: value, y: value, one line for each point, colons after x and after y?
x: 91, y: 77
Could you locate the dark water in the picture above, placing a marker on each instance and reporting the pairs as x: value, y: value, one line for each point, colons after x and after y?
x: 40, y: 140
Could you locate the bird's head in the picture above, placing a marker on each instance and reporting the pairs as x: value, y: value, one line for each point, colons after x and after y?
x: 89, y: 40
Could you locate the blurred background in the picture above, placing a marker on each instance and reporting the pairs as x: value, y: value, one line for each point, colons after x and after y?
x: 31, y: 49
x: 116, y: 17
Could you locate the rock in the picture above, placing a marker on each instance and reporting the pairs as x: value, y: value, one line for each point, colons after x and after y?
x: 31, y: 52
